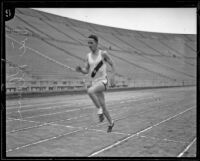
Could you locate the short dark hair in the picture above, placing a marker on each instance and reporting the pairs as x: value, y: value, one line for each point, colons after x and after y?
x: 94, y: 37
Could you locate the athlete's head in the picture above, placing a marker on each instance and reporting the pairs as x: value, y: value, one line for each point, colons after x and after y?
x: 93, y: 42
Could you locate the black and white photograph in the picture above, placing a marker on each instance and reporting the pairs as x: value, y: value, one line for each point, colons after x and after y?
x: 101, y: 82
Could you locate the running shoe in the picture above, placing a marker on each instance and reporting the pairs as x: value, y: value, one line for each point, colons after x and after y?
x: 101, y: 117
x: 110, y: 127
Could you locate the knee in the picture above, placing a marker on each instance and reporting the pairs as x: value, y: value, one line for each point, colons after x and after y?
x: 90, y: 92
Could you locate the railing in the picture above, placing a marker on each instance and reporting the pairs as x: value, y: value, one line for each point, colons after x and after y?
x: 37, y: 87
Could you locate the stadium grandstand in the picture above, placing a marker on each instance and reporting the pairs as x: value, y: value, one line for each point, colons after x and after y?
x: 43, y: 49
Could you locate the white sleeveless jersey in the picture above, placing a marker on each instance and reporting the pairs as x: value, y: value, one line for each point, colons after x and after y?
x: 101, y: 74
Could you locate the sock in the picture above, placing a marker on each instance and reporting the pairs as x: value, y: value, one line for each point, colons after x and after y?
x: 111, y: 123
x: 100, y: 111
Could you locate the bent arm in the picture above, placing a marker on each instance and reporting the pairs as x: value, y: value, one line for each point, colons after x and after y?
x: 110, y: 62
x: 84, y: 70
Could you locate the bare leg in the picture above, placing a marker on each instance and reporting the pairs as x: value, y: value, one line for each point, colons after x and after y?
x: 103, y: 105
x: 94, y: 99
x: 92, y: 93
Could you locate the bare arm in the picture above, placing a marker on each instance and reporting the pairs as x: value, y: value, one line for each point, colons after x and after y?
x: 84, y: 70
x: 109, y: 61
x: 113, y: 70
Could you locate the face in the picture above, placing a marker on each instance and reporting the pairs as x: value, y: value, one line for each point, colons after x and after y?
x: 92, y: 44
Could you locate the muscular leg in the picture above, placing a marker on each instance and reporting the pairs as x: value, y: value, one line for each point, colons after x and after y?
x: 103, y: 105
x: 96, y: 94
x: 94, y: 99
x: 92, y: 93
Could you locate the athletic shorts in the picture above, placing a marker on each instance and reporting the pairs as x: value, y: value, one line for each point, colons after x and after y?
x: 101, y: 81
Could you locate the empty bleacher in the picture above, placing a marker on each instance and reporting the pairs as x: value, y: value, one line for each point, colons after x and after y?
x: 143, y: 59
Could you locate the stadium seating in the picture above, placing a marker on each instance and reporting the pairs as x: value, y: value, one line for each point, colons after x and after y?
x: 41, y: 40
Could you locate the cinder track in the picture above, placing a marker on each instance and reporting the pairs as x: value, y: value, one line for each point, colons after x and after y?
x: 148, y: 123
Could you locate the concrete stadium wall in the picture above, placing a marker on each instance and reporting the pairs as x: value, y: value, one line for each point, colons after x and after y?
x: 82, y: 90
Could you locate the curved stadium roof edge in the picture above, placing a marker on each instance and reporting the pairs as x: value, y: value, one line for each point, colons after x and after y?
x: 110, y: 27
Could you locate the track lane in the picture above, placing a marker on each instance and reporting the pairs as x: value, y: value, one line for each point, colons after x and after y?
x: 162, y: 98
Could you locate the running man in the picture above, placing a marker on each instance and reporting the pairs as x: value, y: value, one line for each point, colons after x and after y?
x: 96, y: 68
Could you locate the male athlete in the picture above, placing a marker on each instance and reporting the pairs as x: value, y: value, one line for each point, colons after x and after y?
x: 96, y: 68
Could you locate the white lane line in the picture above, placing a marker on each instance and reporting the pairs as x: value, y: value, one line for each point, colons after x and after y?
x: 41, y: 141
x: 81, y: 129
x: 47, y: 123
x: 66, y: 111
x: 86, y: 129
x: 44, y: 124
x: 52, y: 107
x: 55, y: 137
x: 136, y: 134
x: 114, y: 132
x: 37, y: 104
x: 183, y: 152
x: 10, y: 119
x: 163, y: 139
x: 13, y: 106
x: 44, y: 108
x: 77, y: 109
x: 60, y: 125
x: 61, y: 135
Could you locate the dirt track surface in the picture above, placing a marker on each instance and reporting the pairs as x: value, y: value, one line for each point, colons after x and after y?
x: 148, y: 123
